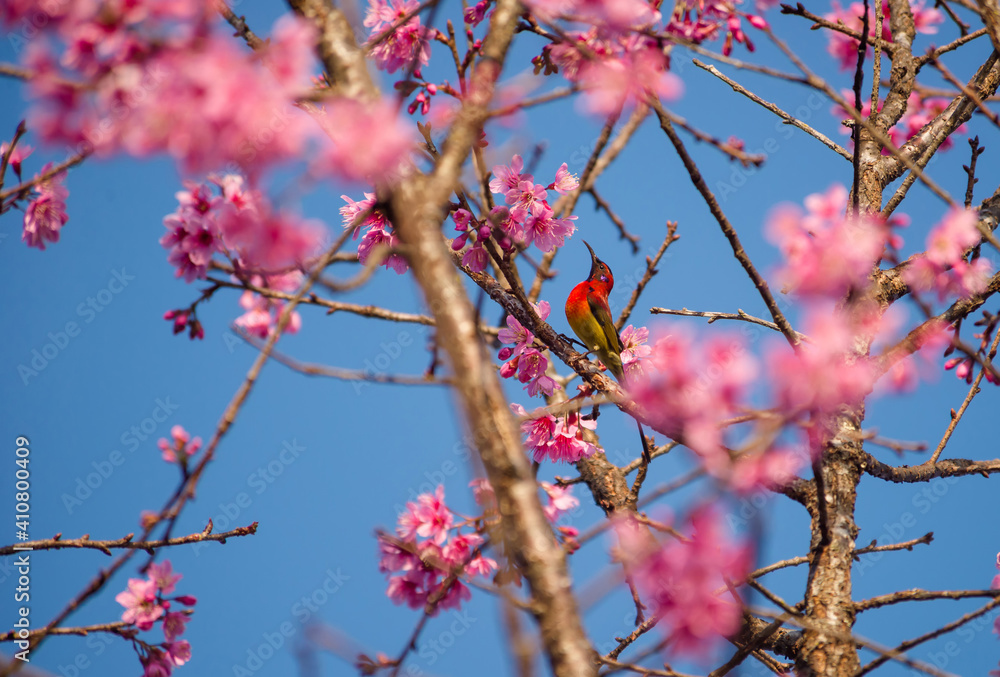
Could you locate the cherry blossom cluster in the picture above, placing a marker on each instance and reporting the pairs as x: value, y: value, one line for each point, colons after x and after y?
x: 694, y: 385
x: 146, y: 604
x: 150, y: 77
x: 559, y: 440
x: 821, y: 377
x: 615, y: 71
x: 616, y: 62
x: 370, y: 221
x: 262, y: 311
x: 687, y: 582
x: 238, y: 223
x: 430, y: 547
x: 225, y: 217
x: 700, y: 21
x: 180, y: 447
x: 522, y: 359
x: 527, y: 218
x: 844, y: 48
x: 826, y: 253
x: 407, y: 46
x: 46, y: 214
x: 944, y: 267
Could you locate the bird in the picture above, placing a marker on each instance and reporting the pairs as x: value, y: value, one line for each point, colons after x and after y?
x: 589, y: 315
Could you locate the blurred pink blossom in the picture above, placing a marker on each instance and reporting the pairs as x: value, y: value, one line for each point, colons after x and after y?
x: 680, y: 578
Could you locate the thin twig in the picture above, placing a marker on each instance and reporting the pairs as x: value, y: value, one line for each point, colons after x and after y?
x: 368, y: 375
x: 651, y: 263
x: 22, y: 189
x: 601, y: 203
x: 727, y: 228
x: 920, y: 596
x: 126, y: 543
x: 714, y: 316
x: 786, y: 117
x: 896, y: 653
x: 957, y: 416
x: 742, y: 157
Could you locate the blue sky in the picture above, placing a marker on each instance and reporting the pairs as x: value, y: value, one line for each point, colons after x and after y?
x: 321, y: 464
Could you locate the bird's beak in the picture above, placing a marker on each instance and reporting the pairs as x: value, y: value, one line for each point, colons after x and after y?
x: 593, y: 258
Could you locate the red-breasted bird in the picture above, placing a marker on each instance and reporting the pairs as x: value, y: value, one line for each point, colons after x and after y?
x: 589, y: 315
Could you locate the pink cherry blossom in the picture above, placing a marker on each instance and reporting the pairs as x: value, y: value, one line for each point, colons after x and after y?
x: 609, y: 15
x: 268, y: 240
x: 376, y: 227
x: 428, y: 518
x: 289, y: 53
x: 516, y: 334
x: 432, y: 549
x: 680, y: 578
x: 699, y: 22
x: 163, y: 576
x: 482, y: 491
x: 614, y: 82
x: 370, y: 141
x: 262, y: 313
x: 943, y: 268
x: 693, y: 385
x: 173, y: 625
x: 560, y: 500
x: 17, y: 156
x: 826, y: 253
x: 407, y: 46
x: 507, y: 178
x: 156, y: 663
x: 547, y: 232
x: 823, y: 375
x: 565, y: 182
x: 634, y: 351
x: 526, y: 199
x: 767, y: 470
x: 43, y: 219
x: 46, y: 214
x: 457, y: 593
x: 179, y: 652
x: 559, y: 440
x: 475, y: 258
x: 139, y: 600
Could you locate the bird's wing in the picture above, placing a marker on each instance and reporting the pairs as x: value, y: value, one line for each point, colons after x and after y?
x: 599, y: 307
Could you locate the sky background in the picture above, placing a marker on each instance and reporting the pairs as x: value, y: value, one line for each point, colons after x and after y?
x: 365, y: 449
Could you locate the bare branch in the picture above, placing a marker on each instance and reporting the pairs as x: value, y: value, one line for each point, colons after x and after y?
x: 786, y: 117
x: 126, y: 543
